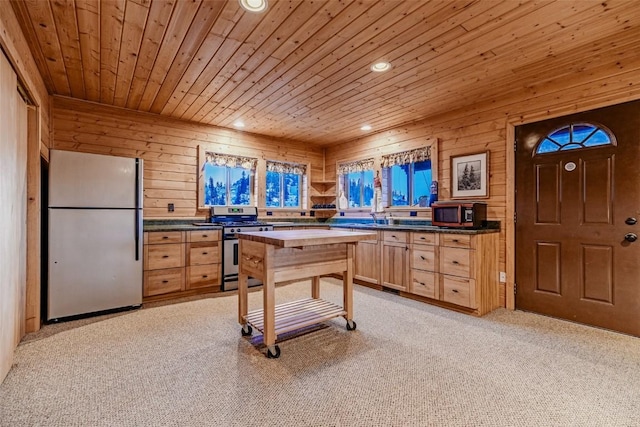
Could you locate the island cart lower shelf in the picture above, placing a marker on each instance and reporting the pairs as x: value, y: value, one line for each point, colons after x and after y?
x: 289, y: 255
x: 297, y: 314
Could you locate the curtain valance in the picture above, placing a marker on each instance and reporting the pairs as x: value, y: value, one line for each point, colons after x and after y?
x: 231, y: 161
x: 411, y: 156
x: 283, y: 167
x: 357, y: 166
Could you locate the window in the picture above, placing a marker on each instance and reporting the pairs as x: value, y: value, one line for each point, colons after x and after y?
x: 409, y: 184
x: 284, y: 184
x: 409, y: 176
x: 356, y: 182
x: 575, y: 136
x: 359, y: 188
x: 227, y: 180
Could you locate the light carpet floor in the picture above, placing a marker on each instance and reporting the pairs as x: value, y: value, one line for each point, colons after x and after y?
x: 407, y: 364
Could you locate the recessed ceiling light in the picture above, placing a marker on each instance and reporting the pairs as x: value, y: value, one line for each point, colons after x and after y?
x: 254, y: 5
x: 238, y: 124
x: 365, y: 127
x: 381, y: 66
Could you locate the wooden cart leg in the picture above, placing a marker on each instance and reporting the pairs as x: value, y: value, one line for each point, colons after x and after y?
x: 315, y: 287
x: 243, y: 291
x: 269, y: 299
x: 347, y: 284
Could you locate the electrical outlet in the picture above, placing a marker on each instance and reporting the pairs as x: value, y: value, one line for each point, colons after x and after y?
x: 170, y: 207
x: 503, y: 277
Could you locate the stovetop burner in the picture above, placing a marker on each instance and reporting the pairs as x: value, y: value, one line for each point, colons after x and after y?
x: 239, y: 223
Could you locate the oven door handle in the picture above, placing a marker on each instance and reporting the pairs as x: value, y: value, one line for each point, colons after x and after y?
x: 235, y: 253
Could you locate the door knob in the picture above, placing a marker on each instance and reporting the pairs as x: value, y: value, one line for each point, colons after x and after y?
x: 631, y: 221
x: 631, y: 237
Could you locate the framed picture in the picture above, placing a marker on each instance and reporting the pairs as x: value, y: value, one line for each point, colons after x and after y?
x: 470, y: 176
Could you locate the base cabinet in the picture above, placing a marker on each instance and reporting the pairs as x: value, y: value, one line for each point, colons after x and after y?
x: 366, y: 262
x: 395, y: 264
x: 459, y: 269
x: 181, y: 263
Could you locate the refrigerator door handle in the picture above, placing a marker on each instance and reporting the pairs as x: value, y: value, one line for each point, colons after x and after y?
x: 137, y: 209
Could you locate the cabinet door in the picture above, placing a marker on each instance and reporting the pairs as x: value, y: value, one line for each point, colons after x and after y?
x: 204, y: 253
x: 367, y: 262
x: 456, y: 262
x: 199, y: 276
x: 394, y: 266
x: 158, y: 282
x: 424, y: 283
x: 423, y: 257
x: 459, y: 291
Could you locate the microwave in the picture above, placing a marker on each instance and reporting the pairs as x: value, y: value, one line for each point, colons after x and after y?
x: 460, y: 214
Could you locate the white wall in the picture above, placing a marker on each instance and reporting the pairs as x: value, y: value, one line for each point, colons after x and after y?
x: 13, y: 214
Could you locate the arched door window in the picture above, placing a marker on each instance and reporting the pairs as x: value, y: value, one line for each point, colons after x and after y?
x: 575, y: 136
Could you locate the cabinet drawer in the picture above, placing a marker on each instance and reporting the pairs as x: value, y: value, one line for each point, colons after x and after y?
x: 457, y: 290
x: 456, y: 240
x: 424, y: 238
x: 199, y: 276
x: 395, y: 236
x: 456, y: 262
x: 423, y: 257
x: 158, y: 237
x: 424, y: 283
x: 163, y: 281
x: 164, y: 256
x: 200, y: 254
x: 204, y: 236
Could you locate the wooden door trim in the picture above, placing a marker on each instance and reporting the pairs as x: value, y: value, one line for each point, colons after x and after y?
x: 510, y: 238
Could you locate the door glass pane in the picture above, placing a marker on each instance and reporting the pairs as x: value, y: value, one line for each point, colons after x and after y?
x: 215, y: 187
x: 421, y: 183
x: 273, y: 190
x: 239, y: 189
x: 291, y: 189
x: 400, y: 185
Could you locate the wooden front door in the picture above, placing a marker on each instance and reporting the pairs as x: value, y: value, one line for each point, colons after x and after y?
x: 576, y: 211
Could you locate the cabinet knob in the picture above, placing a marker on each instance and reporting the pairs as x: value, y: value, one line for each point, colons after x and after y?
x: 455, y: 291
x: 165, y: 281
x: 204, y: 235
x: 165, y: 256
x: 455, y: 262
x: 422, y: 258
x: 205, y: 253
x: 165, y: 237
x: 205, y: 276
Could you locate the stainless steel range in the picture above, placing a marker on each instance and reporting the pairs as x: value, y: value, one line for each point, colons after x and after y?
x: 235, y: 219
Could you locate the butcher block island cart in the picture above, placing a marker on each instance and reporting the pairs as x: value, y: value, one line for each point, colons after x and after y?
x: 280, y: 256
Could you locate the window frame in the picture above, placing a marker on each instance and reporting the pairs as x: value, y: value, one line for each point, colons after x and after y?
x: 203, y: 154
x: 281, y: 179
x: 387, y: 176
x: 345, y: 184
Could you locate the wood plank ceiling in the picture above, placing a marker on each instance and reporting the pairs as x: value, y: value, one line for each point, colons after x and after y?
x: 301, y: 70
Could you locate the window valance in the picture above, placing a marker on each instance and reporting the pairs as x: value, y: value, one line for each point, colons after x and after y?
x: 405, y: 157
x: 357, y: 166
x: 231, y: 161
x: 282, y: 167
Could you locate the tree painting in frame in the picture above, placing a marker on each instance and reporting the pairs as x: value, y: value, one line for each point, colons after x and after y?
x: 470, y: 176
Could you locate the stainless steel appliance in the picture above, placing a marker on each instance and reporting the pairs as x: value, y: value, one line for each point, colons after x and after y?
x: 235, y: 219
x: 460, y: 214
x: 95, y: 233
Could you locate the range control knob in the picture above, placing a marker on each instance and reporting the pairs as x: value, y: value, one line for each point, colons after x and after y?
x: 260, y: 229
x: 238, y: 230
x: 233, y: 230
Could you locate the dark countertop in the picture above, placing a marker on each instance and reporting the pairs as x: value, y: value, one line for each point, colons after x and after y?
x: 181, y: 225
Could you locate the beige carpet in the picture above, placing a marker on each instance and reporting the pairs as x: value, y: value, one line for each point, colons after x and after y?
x: 407, y: 364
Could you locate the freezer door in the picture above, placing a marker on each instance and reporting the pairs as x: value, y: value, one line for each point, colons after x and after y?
x: 93, y: 180
x: 92, y: 261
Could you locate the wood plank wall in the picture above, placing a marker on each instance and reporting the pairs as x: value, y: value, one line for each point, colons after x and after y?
x: 489, y: 127
x: 35, y: 123
x: 13, y: 211
x: 169, y: 148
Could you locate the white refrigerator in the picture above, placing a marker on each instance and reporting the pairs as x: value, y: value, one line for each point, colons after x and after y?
x: 95, y: 233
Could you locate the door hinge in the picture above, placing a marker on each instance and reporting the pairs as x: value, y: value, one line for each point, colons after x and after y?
x: 515, y: 217
x: 515, y: 287
x: 515, y: 145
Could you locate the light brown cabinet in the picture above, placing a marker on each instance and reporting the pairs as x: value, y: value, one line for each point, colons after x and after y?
x: 458, y: 269
x: 367, y: 256
x: 424, y: 265
x: 181, y: 262
x: 395, y: 248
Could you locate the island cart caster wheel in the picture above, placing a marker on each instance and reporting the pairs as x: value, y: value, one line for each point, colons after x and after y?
x: 273, y: 354
x: 246, y: 330
x: 351, y: 325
